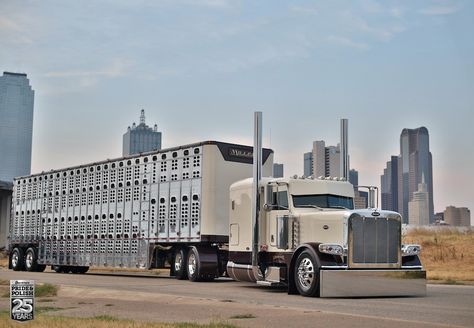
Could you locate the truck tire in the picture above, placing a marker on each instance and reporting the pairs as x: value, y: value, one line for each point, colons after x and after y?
x: 306, y: 274
x: 57, y: 268
x: 79, y: 269
x: 40, y: 268
x: 193, y: 264
x: 31, y: 260
x: 202, y: 263
x: 179, y: 264
x: 17, y: 259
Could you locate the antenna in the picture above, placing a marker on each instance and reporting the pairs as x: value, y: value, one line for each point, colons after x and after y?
x: 142, y: 117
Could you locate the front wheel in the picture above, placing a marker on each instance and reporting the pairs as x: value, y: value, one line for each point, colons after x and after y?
x: 307, y: 274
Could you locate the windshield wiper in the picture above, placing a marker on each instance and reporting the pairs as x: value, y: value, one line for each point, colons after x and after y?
x: 339, y: 206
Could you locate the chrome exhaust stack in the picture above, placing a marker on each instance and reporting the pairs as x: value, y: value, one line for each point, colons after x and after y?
x: 257, y: 177
x: 344, y: 150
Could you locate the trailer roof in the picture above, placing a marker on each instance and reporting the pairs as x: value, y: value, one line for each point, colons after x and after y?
x: 267, y: 152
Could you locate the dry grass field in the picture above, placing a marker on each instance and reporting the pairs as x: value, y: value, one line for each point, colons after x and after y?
x: 446, y: 254
x: 103, y: 321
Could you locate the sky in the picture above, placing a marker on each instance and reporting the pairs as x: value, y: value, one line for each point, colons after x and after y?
x: 200, y: 68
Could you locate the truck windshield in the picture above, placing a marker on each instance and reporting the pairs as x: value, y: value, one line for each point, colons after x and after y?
x: 323, y: 201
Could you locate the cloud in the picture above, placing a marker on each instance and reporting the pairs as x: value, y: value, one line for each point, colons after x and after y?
x: 13, y: 32
x: 383, y: 33
x: 117, y: 68
x: 345, y: 42
x: 305, y: 10
x: 440, y: 10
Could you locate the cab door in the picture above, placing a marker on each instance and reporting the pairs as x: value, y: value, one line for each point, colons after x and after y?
x: 277, y: 206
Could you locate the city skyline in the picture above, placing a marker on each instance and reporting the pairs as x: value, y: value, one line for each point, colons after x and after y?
x: 201, y: 68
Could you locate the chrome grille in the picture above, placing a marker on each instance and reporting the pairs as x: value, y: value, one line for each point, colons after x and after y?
x: 374, y: 242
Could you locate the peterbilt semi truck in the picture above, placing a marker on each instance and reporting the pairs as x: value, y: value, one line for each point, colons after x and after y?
x: 205, y: 211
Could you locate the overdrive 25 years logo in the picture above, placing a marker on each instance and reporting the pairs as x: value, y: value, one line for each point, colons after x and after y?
x: 22, y: 300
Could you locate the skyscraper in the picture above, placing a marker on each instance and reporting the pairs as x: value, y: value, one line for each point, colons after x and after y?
x: 418, y: 206
x: 16, y: 125
x: 457, y: 216
x: 277, y: 170
x: 354, y: 177
x: 141, y: 138
x: 389, y: 185
x: 414, y: 163
x: 308, y: 164
x: 322, y: 161
x: 404, y: 173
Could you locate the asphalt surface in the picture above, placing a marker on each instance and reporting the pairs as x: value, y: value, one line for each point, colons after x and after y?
x: 155, y: 298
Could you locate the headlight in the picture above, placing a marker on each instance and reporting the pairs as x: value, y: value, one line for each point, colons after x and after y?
x: 411, y: 250
x: 333, y: 249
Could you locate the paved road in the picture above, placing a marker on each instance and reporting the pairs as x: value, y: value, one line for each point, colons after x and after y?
x: 170, y: 300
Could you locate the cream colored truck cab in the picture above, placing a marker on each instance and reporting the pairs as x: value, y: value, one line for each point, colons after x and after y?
x: 312, y: 240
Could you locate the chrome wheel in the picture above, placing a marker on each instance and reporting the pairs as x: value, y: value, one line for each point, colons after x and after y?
x: 178, y: 262
x: 191, y: 264
x: 306, y: 273
x: 15, y: 259
x: 29, y: 259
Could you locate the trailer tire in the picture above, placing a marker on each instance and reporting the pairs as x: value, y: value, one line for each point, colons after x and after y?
x: 79, y: 269
x: 179, y: 264
x: 202, y: 263
x: 193, y: 264
x: 306, y: 274
x: 40, y: 267
x: 17, y: 259
x: 31, y: 260
x: 57, y: 268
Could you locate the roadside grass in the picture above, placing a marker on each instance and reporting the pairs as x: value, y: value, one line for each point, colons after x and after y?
x: 46, y: 290
x: 46, y: 300
x: 101, y: 321
x: 446, y: 254
x: 3, y: 259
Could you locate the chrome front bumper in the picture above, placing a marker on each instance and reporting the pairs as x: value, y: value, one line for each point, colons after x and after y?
x: 369, y: 283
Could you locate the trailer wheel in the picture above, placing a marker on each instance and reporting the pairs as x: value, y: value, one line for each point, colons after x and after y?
x: 194, y: 264
x: 79, y: 269
x: 17, y: 259
x: 40, y: 267
x: 180, y: 264
x: 306, y: 272
x: 31, y: 260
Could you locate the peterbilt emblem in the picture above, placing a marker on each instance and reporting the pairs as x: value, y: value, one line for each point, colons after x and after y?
x: 375, y: 213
